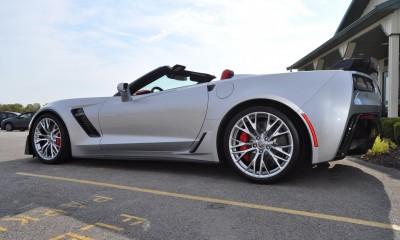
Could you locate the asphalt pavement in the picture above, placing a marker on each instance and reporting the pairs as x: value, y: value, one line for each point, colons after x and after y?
x: 12, y: 145
x: 113, y: 199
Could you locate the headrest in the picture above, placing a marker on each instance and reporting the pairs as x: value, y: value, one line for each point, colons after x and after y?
x: 227, y: 74
x: 140, y: 92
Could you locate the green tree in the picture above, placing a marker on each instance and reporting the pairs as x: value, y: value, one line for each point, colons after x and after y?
x: 32, y: 107
x: 16, y: 107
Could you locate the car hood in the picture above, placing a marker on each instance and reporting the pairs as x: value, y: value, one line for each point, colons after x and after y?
x: 69, y: 104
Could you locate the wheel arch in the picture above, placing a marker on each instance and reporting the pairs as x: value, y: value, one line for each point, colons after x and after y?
x: 305, y: 137
x: 46, y: 111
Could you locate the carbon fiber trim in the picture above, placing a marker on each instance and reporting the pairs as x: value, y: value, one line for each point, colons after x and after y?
x: 344, y: 146
x: 360, y: 135
x: 84, y: 122
x: 198, y: 144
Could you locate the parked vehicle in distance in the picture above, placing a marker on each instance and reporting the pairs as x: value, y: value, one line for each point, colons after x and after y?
x: 20, y: 122
x: 6, y: 114
x: 262, y: 125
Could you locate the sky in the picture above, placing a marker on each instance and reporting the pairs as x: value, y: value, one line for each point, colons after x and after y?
x: 52, y: 50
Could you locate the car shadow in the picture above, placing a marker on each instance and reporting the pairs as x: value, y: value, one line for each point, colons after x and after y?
x: 392, y: 172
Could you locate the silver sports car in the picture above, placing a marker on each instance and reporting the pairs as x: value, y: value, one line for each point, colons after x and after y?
x: 262, y: 125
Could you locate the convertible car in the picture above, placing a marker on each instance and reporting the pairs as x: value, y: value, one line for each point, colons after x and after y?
x: 262, y: 125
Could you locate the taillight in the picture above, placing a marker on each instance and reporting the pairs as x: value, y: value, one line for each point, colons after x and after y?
x: 369, y: 116
x: 363, y: 84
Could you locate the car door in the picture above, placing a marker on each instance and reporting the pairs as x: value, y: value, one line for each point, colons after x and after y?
x: 168, y: 120
x: 21, y: 121
x: 3, y: 116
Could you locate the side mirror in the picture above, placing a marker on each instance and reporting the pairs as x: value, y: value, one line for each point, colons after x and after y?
x: 123, y: 88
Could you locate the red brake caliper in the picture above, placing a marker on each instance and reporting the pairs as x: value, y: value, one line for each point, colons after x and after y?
x: 244, y: 138
x: 58, y: 140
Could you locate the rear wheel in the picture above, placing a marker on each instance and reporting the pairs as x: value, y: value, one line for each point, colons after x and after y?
x: 50, y: 140
x: 262, y: 144
x: 9, y: 127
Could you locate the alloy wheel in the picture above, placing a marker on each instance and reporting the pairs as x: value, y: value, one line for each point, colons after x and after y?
x: 47, y: 138
x: 8, y: 127
x: 261, y: 144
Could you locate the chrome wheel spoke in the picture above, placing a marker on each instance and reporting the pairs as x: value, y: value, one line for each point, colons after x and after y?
x: 39, y: 134
x: 281, y: 151
x: 277, y: 134
x: 276, y: 130
x: 44, y: 146
x: 269, y: 126
x: 241, y: 144
x: 253, y: 124
x: 262, y: 165
x: 43, y: 127
x: 47, y: 125
x: 274, y: 156
x: 53, y: 150
x: 245, y: 129
x: 253, y: 164
x: 242, y: 153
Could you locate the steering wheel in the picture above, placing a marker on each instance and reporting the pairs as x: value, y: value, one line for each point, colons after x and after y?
x: 156, y: 88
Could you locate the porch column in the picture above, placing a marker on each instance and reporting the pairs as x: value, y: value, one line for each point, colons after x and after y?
x: 318, y: 64
x: 393, y: 73
x: 349, y: 50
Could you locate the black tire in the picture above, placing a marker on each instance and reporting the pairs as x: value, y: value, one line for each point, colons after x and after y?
x: 267, y: 145
x: 63, y: 146
x: 8, y: 127
x: 22, y: 129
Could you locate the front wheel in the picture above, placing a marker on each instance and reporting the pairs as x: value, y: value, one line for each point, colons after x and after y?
x: 50, y: 140
x: 9, y: 127
x: 262, y: 144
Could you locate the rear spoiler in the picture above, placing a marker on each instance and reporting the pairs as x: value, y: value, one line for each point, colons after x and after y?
x: 367, y: 66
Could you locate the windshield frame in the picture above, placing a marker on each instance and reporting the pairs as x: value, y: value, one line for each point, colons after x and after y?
x: 177, y: 70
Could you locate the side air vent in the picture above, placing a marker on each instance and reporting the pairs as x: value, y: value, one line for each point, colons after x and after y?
x: 84, y: 122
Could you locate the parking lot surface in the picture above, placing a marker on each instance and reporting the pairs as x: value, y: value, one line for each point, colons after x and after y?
x: 112, y: 199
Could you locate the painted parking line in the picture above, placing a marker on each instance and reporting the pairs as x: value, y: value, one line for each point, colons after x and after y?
x: 226, y: 202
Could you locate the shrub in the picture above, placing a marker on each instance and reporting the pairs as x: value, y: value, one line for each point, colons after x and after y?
x: 392, y: 145
x: 387, y: 130
x: 396, y: 132
x: 381, y: 146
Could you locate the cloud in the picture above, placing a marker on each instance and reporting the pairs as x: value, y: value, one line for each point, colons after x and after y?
x: 62, y: 49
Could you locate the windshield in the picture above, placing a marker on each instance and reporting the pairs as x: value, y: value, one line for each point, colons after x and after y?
x: 166, y: 83
x: 164, y: 78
